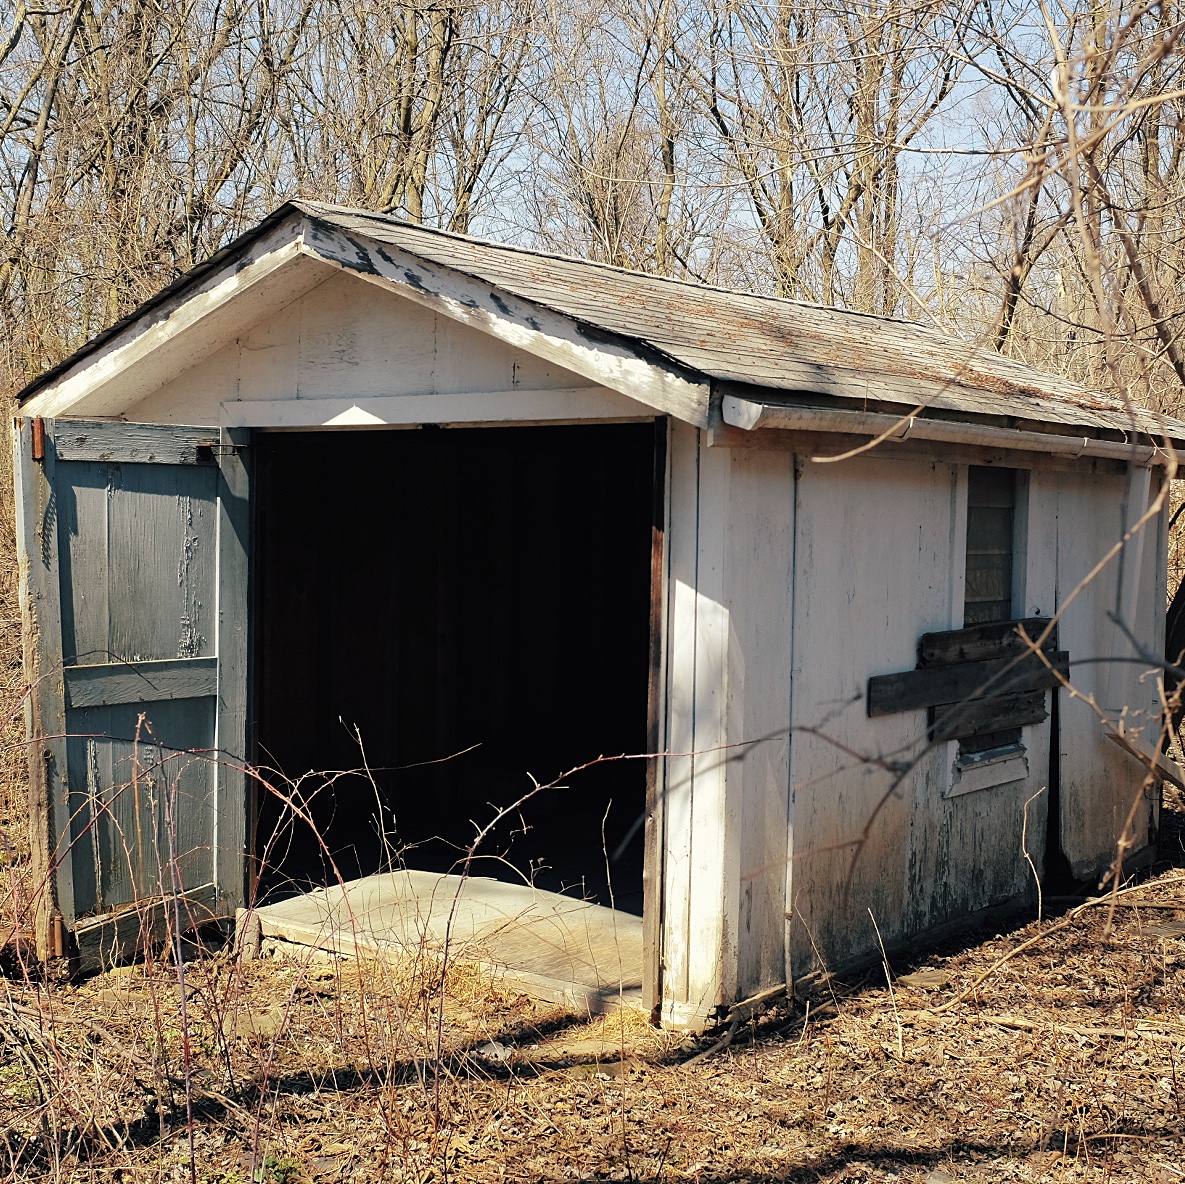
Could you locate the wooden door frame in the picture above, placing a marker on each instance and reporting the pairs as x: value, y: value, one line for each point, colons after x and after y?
x: 653, y: 860
x: 44, y: 708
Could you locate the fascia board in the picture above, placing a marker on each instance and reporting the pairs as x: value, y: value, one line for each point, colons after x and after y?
x: 184, y: 330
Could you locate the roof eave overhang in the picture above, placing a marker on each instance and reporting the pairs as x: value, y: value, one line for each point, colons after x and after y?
x: 751, y: 414
x: 182, y: 325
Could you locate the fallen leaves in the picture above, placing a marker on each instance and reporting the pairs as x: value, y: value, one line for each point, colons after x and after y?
x: 1060, y: 1064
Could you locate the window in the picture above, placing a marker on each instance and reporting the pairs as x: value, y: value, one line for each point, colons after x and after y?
x: 991, y: 508
x: 991, y: 531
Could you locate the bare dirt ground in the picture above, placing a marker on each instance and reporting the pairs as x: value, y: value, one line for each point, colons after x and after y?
x: 1053, y: 1052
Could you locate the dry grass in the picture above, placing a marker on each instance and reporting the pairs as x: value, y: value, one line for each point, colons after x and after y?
x: 1064, y: 1065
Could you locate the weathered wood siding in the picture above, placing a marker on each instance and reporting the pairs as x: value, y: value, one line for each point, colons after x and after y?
x: 346, y: 339
x: 730, y: 564
x: 1085, y: 516
x: 136, y: 589
x: 875, y: 829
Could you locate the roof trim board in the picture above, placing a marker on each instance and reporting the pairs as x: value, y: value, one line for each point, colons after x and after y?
x: 549, y: 405
x: 752, y: 416
x: 171, y: 335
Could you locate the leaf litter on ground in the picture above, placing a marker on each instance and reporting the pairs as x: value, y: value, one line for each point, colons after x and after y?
x: 1062, y: 1064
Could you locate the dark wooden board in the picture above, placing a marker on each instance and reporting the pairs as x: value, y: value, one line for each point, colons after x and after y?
x: 146, y: 682
x: 115, y: 442
x: 982, y: 642
x: 960, y: 721
x: 935, y: 685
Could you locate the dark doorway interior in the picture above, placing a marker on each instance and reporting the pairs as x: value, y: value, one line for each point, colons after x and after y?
x: 482, y: 592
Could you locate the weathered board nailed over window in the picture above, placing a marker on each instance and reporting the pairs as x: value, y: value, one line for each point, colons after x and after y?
x: 976, y: 682
x: 981, y: 683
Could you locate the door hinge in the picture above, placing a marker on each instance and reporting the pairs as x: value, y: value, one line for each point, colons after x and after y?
x: 38, y: 434
x: 57, y: 936
x: 211, y: 451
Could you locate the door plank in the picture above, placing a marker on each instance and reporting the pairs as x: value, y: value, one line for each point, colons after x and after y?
x: 133, y: 682
x: 115, y: 442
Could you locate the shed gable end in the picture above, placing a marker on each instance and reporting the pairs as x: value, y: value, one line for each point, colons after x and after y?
x: 350, y: 353
x: 185, y: 339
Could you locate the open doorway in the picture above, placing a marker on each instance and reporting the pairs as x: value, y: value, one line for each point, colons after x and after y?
x: 455, y: 610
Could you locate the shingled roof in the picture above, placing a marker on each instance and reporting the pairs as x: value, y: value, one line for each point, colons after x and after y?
x: 732, y: 340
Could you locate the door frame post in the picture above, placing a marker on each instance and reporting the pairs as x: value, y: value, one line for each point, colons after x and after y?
x: 655, y: 833
x: 44, y: 704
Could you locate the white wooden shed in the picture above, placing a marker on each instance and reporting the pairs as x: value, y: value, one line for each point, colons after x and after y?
x: 244, y: 543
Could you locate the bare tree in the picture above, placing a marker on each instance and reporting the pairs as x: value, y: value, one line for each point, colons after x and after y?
x: 815, y: 107
x: 1094, y: 136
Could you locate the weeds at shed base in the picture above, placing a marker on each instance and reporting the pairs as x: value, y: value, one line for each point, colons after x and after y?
x: 1066, y: 1064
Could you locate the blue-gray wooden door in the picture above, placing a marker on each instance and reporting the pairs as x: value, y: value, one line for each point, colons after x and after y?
x: 135, y: 557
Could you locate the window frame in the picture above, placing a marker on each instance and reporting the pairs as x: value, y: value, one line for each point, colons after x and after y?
x: 1008, y: 763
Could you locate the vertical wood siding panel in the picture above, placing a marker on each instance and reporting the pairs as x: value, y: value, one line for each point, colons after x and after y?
x: 1041, y: 544
x: 934, y: 844
x: 760, y: 570
x: 460, y: 367
x: 1144, y: 609
x: 347, y: 346
x: 715, y: 808
x: 678, y: 767
x: 1040, y: 599
x: 194, y: 396
x: 872, y: 573
x: 1099, y: 780
x: 266, y: 359
x: 1131, y: 559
